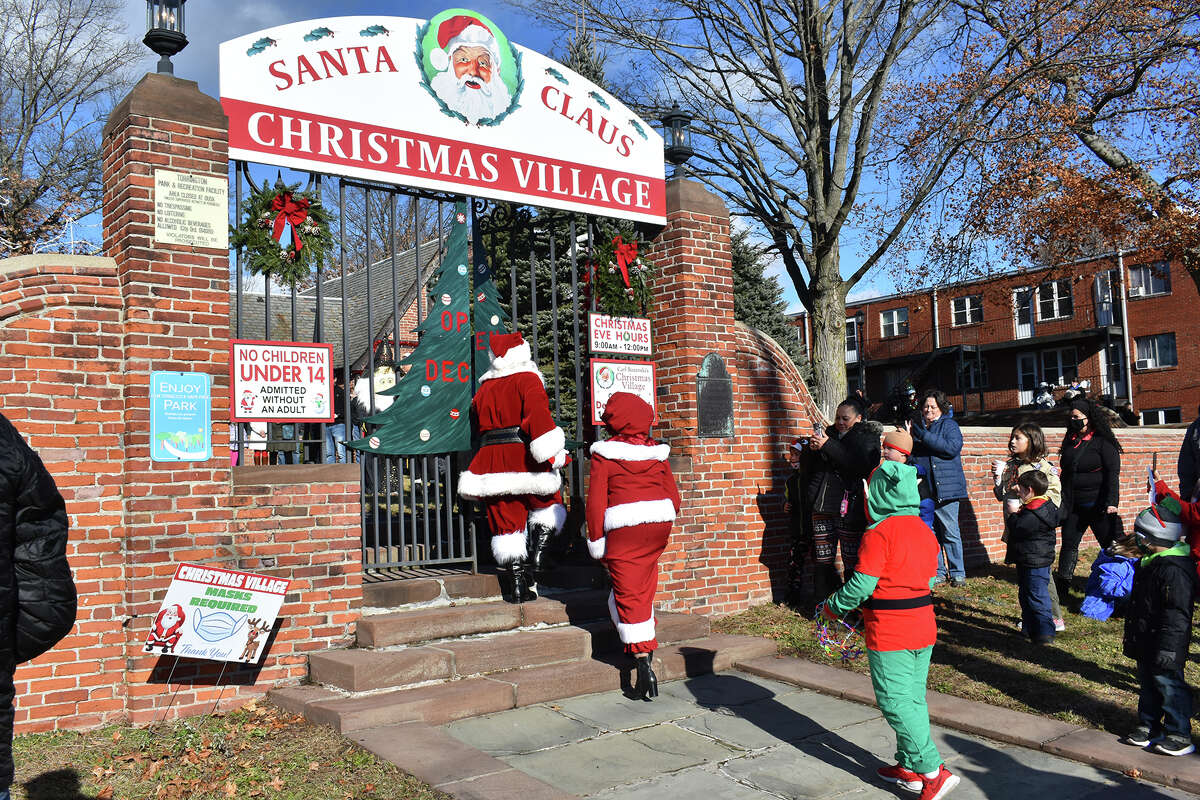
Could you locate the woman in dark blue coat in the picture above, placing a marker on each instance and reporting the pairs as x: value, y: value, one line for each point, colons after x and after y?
x: 937, y: 446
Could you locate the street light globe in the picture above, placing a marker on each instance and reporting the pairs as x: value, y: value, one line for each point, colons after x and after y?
x: 677, y: 125
x: 165, y: 31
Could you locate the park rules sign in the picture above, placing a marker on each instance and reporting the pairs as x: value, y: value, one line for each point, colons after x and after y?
x: 448, y: 104
x: 216, y: 614
x: 280, y: 381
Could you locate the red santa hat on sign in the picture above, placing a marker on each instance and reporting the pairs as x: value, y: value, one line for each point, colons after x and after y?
x: 462, y: 31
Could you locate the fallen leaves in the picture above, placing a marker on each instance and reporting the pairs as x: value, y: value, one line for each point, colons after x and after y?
x: 105, y: 794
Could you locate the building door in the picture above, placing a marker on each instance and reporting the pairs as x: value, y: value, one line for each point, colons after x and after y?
x: 1113, y: 366
x: 1023, y: 314
x: 1102, y: 290
x: 1026, y: 377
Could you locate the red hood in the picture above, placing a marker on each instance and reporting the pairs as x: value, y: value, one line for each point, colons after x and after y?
x: 626, y: 414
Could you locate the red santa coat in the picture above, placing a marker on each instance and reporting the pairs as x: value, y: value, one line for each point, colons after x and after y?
x: 512, y: 394
x: 631, y: 505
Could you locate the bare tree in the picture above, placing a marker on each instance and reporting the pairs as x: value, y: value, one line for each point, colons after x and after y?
x: 786, y: 97
x: 63, y: 64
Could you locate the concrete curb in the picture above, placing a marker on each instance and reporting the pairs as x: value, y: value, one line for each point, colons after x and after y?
x: 1086, y: 745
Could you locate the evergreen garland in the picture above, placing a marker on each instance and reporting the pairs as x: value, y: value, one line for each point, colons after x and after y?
x: 266, y: 216
x: 620, y: 292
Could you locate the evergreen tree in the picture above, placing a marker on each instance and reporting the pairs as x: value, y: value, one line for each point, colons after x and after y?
x: 758, y: 299
x: 431, y: 413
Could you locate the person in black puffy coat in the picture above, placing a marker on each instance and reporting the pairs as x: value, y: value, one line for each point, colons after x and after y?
x: 37, y: 595
x: 1158, y: 630
x: 1091, y: 480
x: 1030, y: 534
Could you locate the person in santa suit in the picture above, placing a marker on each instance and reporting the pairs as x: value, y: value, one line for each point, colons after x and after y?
x: 632, y: 502
x: 515, y: 473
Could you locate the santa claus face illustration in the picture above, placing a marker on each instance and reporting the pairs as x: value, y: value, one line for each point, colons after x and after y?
x: 467, y: 57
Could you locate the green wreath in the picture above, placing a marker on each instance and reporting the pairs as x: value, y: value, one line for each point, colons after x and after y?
x: 619, y: 275
x: 266, y: 215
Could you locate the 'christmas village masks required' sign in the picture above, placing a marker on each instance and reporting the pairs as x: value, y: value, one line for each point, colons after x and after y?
x: 216, y: 614
x: 281, y: 382
x: 448, y: 104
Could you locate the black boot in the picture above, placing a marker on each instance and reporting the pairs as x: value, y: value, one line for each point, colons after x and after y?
x: 647, y: 682
x: 524, y: 583
x: 508, y: 583
x: 539, y: 543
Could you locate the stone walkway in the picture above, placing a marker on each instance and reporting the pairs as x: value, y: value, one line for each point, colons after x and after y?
x: 736, y: 736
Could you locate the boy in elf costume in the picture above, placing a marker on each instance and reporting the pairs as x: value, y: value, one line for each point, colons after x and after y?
x: 897, y: 564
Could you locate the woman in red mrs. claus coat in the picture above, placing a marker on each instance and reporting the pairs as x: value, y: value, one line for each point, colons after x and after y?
x: 515, y: 473
x: 632, y: 502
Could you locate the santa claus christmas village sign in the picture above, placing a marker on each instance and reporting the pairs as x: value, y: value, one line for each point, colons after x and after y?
x: 447, y: 104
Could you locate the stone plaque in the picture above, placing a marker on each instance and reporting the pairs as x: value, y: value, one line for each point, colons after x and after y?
x: 714, y: 399
x: 191, y: 209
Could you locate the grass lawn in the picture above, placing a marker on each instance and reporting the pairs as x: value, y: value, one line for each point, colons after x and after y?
x: 258, y: 751
x: 1081, y: 678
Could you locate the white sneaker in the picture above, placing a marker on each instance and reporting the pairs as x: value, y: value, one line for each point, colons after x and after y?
x: 1059, y: 625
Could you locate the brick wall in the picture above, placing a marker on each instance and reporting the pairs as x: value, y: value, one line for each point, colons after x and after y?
x: 79, y: 338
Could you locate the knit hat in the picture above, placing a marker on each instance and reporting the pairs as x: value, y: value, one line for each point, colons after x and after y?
x: 462, y: 31
x: 626, y: 413
x: 1081, y: 404
x: 892, y: 491
x: 1160, y: 523
x: 797, y: 444
x: 899, y: 440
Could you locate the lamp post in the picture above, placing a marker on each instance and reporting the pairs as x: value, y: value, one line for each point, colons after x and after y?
x: 677, y: 127
x: 860, y: 335
x: 164, y: 34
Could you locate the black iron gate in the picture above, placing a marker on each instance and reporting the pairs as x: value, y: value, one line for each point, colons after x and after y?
x: 366, y: 303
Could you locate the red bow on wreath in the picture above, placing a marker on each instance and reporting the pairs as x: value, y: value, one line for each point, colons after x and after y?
x: 625, y: 255
x: 289, y: 210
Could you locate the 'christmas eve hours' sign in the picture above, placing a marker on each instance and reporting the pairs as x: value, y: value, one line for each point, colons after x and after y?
x: 626, y: 335
x: 216, y: 614
x: 180, y: 410
x: 280, y: 381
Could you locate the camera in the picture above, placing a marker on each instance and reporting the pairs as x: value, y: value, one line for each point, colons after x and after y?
x: 804, y: 440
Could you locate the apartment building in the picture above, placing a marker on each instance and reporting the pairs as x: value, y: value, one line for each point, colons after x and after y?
x: 1129, y: 325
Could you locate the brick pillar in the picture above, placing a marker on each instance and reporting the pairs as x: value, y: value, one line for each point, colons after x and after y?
x: 176, y: 301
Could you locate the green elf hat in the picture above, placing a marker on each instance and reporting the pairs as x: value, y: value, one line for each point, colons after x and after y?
x: 1160, y: 523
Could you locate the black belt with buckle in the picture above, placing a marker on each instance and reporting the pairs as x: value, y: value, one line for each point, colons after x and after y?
x: 897, y: 604
x: 501, y: 436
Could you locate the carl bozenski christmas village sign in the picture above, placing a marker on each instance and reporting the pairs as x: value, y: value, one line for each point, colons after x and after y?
x: 448, y: 104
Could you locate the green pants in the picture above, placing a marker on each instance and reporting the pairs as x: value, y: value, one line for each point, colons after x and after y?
x: 899, y: 679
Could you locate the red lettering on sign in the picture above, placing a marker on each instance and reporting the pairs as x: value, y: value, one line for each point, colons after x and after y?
x: 431, y: 370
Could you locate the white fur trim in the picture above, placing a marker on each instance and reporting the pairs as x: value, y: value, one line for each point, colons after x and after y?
x: 548, y: 445
x: 627, y: 514
x: 509, y: 547
x: 554, y: 516
x: 517, y: 360
x: 474, y: 486
x: 596, y: 548
x: 624, y: 451
x: 439, y: 58
x: 630, y: 632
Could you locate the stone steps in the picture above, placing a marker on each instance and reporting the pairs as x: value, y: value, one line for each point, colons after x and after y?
x: 363, y: 670
x: 439, y: 703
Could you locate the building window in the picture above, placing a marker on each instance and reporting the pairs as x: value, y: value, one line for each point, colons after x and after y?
x: 851, y: 340
x: 1161, y: 416
x: 974, y: 375
x: 893, y: 322
x: 1059, y: 366
x: 966, y: 310
x: 1149, y: 279
x: 1054, y: 300
x: 1156, y: 351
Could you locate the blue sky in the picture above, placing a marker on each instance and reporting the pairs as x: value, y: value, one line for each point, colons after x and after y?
x: 210, y: 22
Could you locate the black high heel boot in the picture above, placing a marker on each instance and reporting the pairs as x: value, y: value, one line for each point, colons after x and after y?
x: 508, y: 581
x: 539, y: 543
x: 524, y: 584
x: 647, y: 682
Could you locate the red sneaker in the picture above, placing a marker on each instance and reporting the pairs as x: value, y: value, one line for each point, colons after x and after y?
x: 939, y: 787
x: 904, y: 778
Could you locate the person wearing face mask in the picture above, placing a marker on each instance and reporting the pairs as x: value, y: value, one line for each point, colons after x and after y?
x: 842, y: 457
x: 1090, y: 466
x: 937, y: 447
